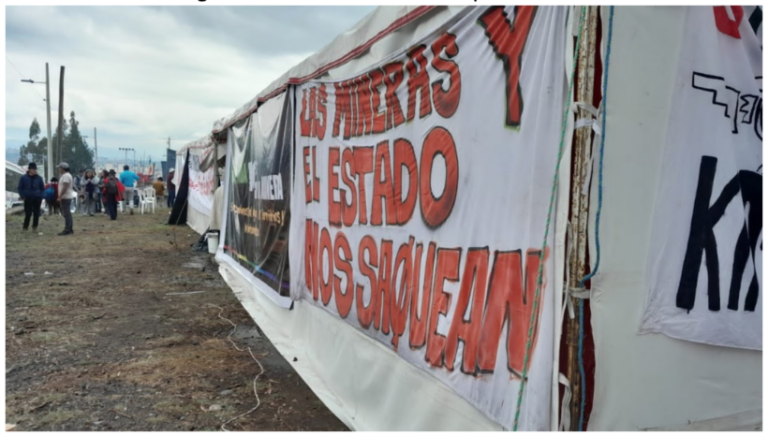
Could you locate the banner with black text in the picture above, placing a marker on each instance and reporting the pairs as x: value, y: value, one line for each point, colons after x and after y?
x: 706, y: 260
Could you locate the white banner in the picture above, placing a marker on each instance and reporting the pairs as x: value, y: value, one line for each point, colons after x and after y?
x: 421, y: 190
x: 201, y: 183
x: 706, y: 256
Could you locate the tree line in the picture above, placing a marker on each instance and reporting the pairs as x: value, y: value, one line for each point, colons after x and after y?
x: 74, y: 149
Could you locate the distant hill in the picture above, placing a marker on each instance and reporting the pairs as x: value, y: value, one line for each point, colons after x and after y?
x: 12, y: 154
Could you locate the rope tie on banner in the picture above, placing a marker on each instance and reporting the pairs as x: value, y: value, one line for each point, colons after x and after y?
x: 601, y: 132
x: 580, y: 356
x: 561, y: 147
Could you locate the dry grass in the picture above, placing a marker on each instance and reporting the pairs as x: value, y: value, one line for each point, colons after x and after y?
x: 97, y: 344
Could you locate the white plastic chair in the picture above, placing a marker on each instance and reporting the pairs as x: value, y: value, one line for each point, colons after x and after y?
x: 147, y: 198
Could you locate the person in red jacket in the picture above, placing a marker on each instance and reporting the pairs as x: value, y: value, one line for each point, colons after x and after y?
x: 113, y: 193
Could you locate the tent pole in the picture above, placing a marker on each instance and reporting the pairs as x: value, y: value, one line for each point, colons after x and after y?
x: 215, y: 162
x: 579, y: 202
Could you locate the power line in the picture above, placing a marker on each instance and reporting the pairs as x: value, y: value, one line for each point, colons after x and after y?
x: 22, y: 76
x: 14, y: 66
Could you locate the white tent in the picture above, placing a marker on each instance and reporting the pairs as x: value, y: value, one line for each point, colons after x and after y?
x: 641, y: 381
x: 653, y: 381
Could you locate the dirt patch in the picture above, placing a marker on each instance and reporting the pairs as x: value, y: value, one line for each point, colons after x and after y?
x: 94, y: 341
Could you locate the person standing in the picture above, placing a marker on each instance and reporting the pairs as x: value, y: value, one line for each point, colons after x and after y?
x: 31, y: 189
x: 171, y: 188
x: 98, y: 194
x: 103, y: 174
x: 51, y: 195
x: 159, y: 191
x: 113, y: 191
x: 79, y: 198
x: 66, y: 195
x: 128, y: 178
x: 89, y: 188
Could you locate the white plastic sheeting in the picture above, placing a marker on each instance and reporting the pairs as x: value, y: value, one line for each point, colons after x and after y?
x: 367, y: 386
x: 648, y: 381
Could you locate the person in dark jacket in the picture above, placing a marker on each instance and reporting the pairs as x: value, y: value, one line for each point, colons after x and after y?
x: 103, y: 174
x: 31, y: 188
x: 112, y: 183
x: 171, y: 188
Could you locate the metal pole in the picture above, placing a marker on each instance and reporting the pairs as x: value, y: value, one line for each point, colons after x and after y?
x: 96, y: 151
x: 61, y: 113
x: 49, y: 166
x: 215, y: 163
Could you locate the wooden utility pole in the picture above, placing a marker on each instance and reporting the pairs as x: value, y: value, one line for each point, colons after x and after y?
x: 579, y: 202
x: 61, y: 114
x: 49, y: 152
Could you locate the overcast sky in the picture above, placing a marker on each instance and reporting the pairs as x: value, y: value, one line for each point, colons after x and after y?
x: 142, y: 74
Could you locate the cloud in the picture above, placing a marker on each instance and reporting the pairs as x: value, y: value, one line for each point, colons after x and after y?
x: 141, y: 74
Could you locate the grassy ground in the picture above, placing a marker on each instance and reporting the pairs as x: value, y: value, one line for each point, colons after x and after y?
x: 94, y: 341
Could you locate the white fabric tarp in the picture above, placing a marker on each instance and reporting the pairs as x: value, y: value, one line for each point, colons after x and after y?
x: 198, y: 221
x: 368, y: 387
x: 201, y: 189
x: 706, y: 279
x: 648, y: 381
x: 342, y: 365
x: 457, y: 175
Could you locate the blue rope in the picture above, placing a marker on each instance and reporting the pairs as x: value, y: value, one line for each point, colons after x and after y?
x: 597, y: 224
x: 582, y: 373
x: 602, y: 150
